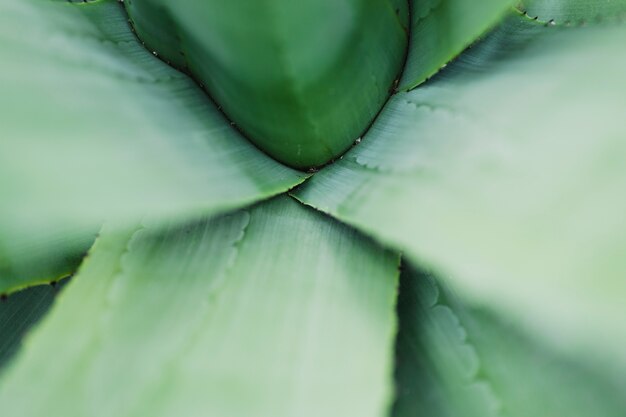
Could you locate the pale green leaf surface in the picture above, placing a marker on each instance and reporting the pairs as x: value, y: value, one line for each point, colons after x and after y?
x: 454, y: 360
x: 44, y: 258
x: 95, y: 128
x: 273, y: 311
x: 575, y: 12
x: 19, y: 312
x: 506, y: 173
x: 442, y: 29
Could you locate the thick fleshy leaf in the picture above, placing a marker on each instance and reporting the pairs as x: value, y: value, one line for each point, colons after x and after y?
x: 454, y: 360
x: 575, y: 12
x: 19, y: 312
x: 506, y: 173
x: 442, y: 29
x: 43, y: 258
x: 302, y: 78
x: 94, y: 127
x: 272, y: 311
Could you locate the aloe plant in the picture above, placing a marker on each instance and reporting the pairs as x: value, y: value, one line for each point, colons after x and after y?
x: 312, y: 208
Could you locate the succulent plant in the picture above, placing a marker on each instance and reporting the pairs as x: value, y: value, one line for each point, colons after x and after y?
x: 301, y: 79
x: 312, y: 208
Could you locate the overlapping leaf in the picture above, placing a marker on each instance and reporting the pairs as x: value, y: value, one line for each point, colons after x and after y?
x: 275, y: 311
x: 575, y: 12
x: 506, y: 173
x: 94, y: 127
x: 442, y: 29
x: 19, y: 312
x: 454, y: 360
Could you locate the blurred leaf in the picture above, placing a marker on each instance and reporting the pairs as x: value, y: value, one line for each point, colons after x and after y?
x: 442, y: 29
x: 457, y: 361
x: 575, y: 12
x: 273, y: 311
x: 506, y: 173
x: 32, y: 263
x: 95, y: 128
x: 19, y: 312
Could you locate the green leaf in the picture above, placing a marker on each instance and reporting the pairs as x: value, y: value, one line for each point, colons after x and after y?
x: 302, y: 78
x: 95, y: 128
x: 19, y: 312
x: 273, y: 311
x: 575, y: 12
x: 442, y: 29
x: 454, y: 360
x: 42, y: 259
x: 506, y: 174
